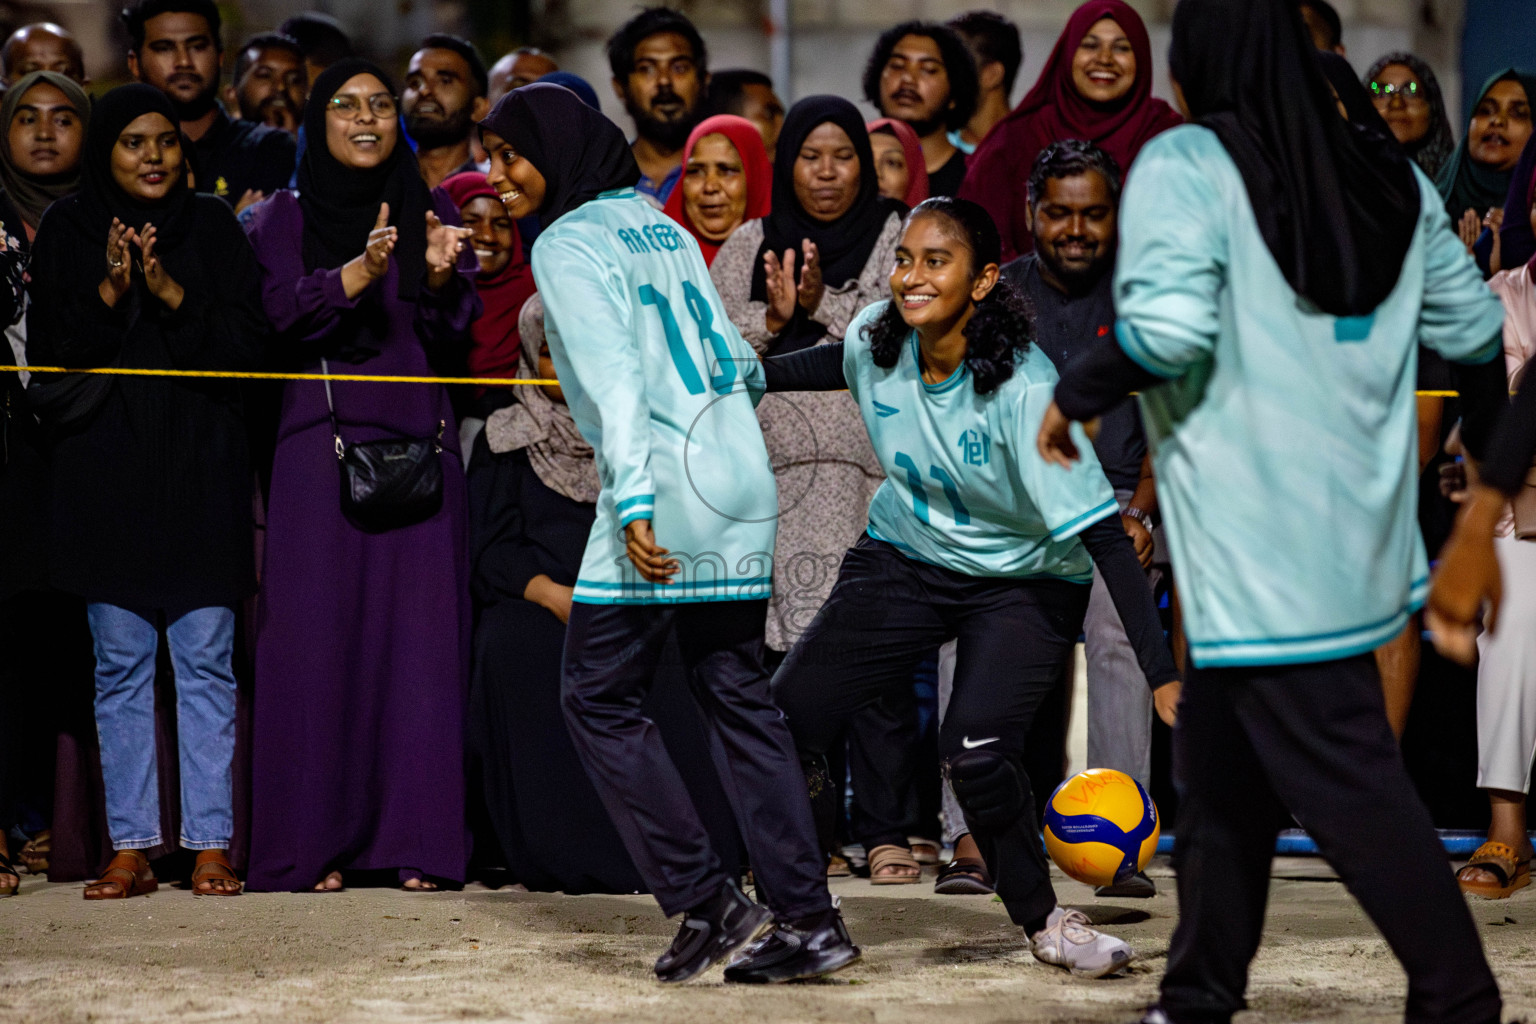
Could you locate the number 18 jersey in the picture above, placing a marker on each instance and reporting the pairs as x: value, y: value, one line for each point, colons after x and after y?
x: 965, y: 487
x: 661, y: 385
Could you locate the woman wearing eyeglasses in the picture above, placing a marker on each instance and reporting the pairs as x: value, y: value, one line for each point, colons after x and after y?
x: 362, y: 649
x: 1407, y: 96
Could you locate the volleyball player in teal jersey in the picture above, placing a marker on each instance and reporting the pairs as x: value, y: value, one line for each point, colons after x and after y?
x: 972, y: 537
x: 1278, y: 269
x: 658, y: 382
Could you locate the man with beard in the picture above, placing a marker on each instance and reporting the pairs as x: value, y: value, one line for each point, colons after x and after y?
x: 920, y: 72
x: 176, y: 49
x: 42, y: 46
x: 445, y: 87
x: 270, y: 85
x: 660, y: 73
x: 1074, y: 194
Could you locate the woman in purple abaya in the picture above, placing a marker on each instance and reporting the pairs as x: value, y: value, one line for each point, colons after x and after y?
x: 362, y: 649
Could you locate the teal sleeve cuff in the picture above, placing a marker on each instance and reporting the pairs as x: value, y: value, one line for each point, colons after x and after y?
x: 1135, y: 346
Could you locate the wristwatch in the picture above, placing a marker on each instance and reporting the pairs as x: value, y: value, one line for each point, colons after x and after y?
x: 1141, y: 515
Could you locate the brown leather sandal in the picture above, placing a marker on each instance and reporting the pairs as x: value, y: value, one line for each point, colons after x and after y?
x: 893, y: 856
x: 127, y: 875
x: 1502, y: 862
x: 213, y: 866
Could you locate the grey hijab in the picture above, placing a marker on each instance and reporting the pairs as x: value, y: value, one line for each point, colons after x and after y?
x: 534, y: 422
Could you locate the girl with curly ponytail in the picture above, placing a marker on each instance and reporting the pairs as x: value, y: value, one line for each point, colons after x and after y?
x: 993, y: 320
x: 973, y: 537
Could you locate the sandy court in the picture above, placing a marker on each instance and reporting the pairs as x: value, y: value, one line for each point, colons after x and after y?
x: 389, y: 957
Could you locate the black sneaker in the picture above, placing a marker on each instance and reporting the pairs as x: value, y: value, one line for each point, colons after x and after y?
x: 712, y: 931
x: 1139, y: 887
x: 809, y: 948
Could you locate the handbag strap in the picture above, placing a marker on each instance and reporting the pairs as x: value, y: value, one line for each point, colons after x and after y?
x: 330, y: 404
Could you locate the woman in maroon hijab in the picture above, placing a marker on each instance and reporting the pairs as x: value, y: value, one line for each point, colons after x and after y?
x: 1096, y: 85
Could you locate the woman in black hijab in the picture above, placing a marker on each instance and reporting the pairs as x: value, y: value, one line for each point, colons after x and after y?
x: 1278, y: 267
x: 362, y: 654
x: 151, y: 486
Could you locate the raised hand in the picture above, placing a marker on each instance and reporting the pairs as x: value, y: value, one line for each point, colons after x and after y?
x: 160, y: 283
x: 1495, y: 222
x: 781, y: 288
x: 444, y: 243
x: 1470, y: 226
x: 810, y: 288
x: 119, y: 264
x: 381, y: 242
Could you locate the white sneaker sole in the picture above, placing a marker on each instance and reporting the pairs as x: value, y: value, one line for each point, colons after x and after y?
x: 1118, y: 962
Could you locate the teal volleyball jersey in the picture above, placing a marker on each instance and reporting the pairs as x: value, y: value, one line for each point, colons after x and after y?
x: 662, y: 386
x: 965, y: 488
x: 1285, y: 440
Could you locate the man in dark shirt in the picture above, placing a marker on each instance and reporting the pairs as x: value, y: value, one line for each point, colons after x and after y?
x: 269, y: 85
x: 176, y: 49
x: 445, y: 87
x: 1074, y: 194
x: 920, y: 72
x: 660, y: 73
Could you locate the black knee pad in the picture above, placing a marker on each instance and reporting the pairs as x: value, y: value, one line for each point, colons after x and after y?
x: 990, y: 787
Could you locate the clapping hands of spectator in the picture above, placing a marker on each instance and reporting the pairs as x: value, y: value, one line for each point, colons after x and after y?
x: 1471, y: 226
x: 785, y: 291
x: 159, y: 282
x: 119, y: 264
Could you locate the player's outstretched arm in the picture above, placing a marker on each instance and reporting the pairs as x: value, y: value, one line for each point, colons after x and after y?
x: 1115, y: 556
x: 1467, y: 577
x: 818, y: 368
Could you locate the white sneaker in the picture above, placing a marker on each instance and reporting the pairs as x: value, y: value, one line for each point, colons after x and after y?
x: 1069, y: 941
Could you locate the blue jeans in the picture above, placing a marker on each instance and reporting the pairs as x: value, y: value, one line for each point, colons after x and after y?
x: 202, y: 650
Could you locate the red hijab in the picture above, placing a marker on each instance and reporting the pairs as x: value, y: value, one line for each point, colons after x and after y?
x: 754, y: 164
x: 997, y: 175
x: 494, y: 335
x: 912, y: 149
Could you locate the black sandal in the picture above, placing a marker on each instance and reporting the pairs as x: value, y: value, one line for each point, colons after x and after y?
x: 7, y: 868
x: 964, y: 876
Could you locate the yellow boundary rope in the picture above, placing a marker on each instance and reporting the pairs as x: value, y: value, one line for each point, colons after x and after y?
x: 118, y: 371
x: 372, y: 378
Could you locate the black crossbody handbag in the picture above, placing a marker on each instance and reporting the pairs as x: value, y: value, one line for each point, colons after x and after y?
x: 390, y: 483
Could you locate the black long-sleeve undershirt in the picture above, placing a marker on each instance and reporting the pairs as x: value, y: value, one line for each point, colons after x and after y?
x: 1098, y: 380
x: 1115, y: 557
x: 1484, y: 393
x: 1513, y: 444
x: 1102, y: 376
x: 818, y: 368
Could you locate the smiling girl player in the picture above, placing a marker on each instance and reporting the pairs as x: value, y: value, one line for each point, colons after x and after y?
x: 972, y: 537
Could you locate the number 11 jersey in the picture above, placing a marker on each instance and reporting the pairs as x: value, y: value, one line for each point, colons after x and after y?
x: 965, y: 487
x: 663, y: 387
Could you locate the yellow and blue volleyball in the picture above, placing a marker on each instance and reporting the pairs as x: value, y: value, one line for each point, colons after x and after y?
x: 1101, y: 827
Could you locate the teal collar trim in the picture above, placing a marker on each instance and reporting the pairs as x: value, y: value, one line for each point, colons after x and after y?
x: 948, y: 384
